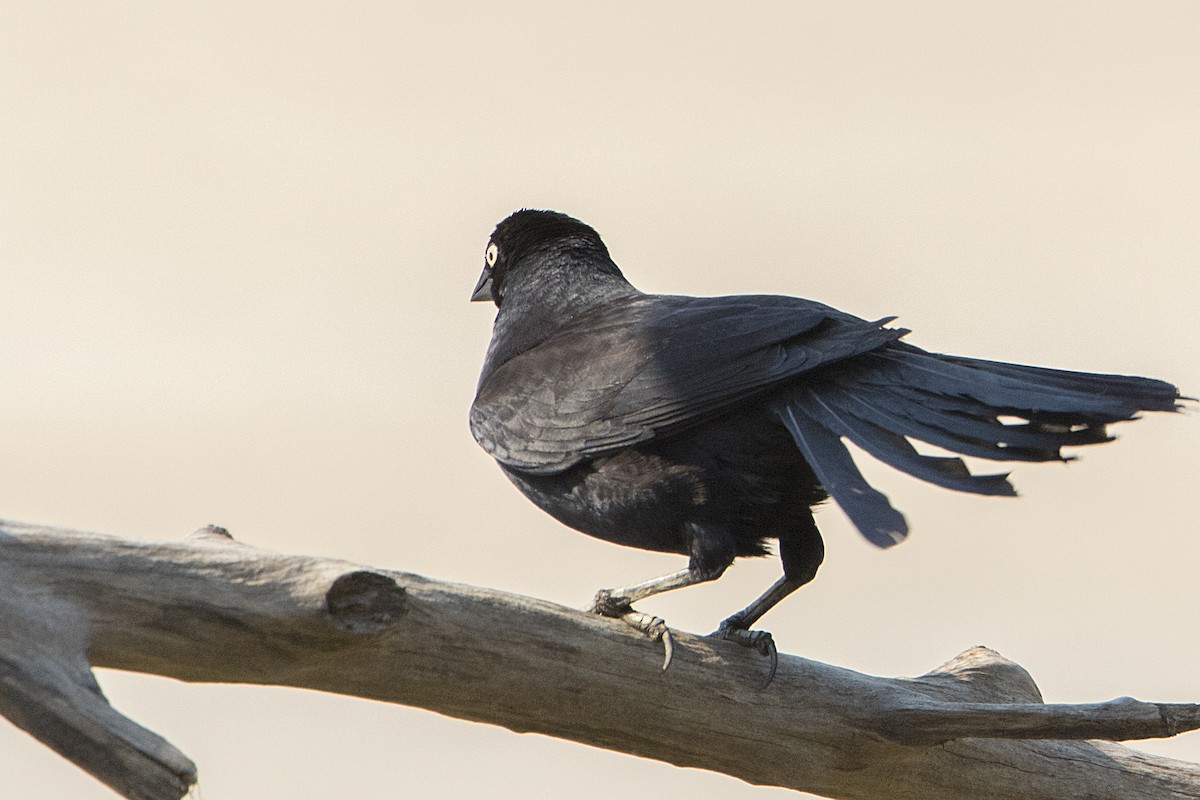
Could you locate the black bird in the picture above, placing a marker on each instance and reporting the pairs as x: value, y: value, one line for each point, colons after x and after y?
x: 707, y: 426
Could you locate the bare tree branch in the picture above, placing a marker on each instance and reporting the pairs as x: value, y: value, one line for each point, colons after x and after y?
x: 210, y: 609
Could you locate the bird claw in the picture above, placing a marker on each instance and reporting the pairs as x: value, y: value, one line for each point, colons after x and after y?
x: 653, y: 628
x: 762, y: 641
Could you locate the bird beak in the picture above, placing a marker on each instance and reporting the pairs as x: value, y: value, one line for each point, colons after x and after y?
x: 483, y: 289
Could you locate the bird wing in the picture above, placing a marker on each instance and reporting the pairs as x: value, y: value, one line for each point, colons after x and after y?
x: 650, y: 365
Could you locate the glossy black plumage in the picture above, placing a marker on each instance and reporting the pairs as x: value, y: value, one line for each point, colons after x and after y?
x: 709, y: 425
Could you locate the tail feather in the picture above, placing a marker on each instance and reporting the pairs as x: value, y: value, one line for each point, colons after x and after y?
x: 957, y: 425
x: 882, y: 399
x: 1142, y: 394
x: 1012, y: 388
x: 867, y: 507
x: 892, y: 448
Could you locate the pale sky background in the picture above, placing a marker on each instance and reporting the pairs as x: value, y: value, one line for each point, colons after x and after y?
x: 236, y: 245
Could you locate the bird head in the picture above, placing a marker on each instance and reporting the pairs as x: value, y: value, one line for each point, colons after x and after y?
x: 532, y: 241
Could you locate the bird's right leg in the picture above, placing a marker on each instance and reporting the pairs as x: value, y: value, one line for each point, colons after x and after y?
x: 711, y: 553
x: 802, y: 551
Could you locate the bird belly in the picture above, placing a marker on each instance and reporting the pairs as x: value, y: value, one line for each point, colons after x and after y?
x: 628, y: 499
x: 731, y: 474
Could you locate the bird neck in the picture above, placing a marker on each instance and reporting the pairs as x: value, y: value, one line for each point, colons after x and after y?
x: 533, y: 311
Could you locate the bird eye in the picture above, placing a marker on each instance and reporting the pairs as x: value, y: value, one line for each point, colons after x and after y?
x: 492, y: 253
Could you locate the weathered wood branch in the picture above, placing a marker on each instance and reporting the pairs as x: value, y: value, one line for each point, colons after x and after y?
x: 210, y: 609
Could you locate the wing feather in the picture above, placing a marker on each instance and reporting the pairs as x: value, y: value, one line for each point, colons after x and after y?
x: 650, y: 366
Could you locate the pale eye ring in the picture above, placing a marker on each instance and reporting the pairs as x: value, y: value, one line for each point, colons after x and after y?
x: 492, y: 253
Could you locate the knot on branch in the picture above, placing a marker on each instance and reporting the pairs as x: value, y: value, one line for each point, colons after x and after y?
x: 365, y: 602
x: 981, y: 675
x: 210, y: 532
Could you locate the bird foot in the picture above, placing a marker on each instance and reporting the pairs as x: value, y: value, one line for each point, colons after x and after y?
x: 607, y: 604
x: 653, y: 628
x: 732, y: 630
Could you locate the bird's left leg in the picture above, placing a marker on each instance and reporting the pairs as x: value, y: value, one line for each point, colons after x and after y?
x: 801, y: 552
x: 712, y: 551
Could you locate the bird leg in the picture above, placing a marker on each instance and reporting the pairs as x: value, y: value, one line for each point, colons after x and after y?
x: 801, y: 552
x: 736, y: 628
x: 618, y: 604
